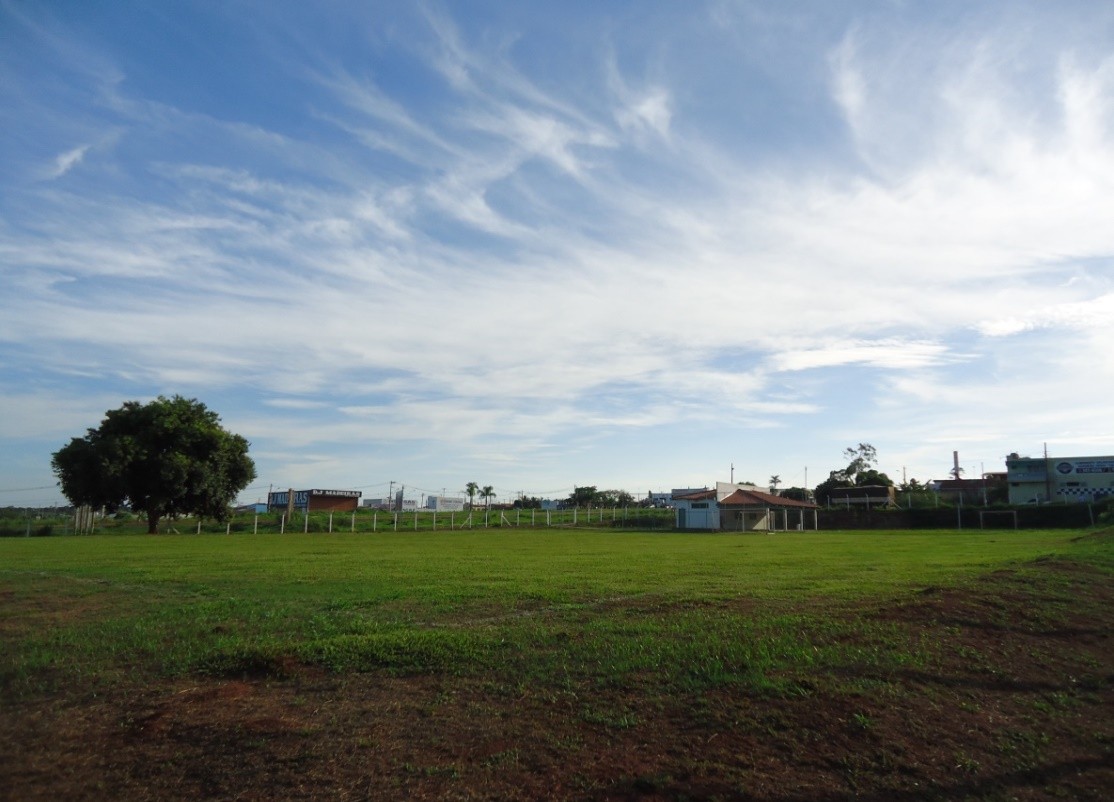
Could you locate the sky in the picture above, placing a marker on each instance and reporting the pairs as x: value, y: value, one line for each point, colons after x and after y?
x: 535, y: 245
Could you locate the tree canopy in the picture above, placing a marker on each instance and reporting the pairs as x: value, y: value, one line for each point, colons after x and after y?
x: 582, y: 496
x: 860, y: 472
x: 528, y: 503
x: 170, y: 456
x: 589, y: 495
x: 796, y: 494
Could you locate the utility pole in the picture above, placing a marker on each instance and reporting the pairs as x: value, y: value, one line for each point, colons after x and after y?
x: 1047, y: 478
x: 391, y: 497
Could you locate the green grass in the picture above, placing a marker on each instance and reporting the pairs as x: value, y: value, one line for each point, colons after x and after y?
x: 560, y: 609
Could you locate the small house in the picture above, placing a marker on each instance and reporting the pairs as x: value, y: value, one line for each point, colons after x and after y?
x: 742, y: 508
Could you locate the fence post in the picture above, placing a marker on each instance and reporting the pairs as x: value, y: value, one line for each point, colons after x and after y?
x: 255, y: 526
x: 282, y: 524
x: 330, y: 522
x: 353, y: 521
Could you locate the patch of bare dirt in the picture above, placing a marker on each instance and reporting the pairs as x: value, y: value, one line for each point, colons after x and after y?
x: 70, y: 602
x: 1016, y: 703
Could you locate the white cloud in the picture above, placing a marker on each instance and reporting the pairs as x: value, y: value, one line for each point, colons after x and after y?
x: 848, y: 84
x: 511, y: 256
x: 65, y: 162
x: 651, y: 111
x: 885, y: 354
x: 294, y: 403
x: 1094, y: 314
x: 44, y: 414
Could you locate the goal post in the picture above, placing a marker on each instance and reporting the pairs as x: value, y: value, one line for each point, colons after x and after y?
x: 984, y: 514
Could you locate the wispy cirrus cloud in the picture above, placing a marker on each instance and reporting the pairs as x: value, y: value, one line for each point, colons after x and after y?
x: 884, y: 354
x: 65, y: 162
x: 468, y: 253
x: 1097, y: 313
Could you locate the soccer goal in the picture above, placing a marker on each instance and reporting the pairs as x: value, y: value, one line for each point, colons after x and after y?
x: 1009, y: 514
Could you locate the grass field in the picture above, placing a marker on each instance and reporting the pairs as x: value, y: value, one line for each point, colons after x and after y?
x: 562, y: 664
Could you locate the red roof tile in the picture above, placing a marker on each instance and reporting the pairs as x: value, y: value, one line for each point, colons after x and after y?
x: 756, y: 498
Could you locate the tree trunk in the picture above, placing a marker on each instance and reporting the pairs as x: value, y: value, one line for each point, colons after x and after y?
x: 152, y: 523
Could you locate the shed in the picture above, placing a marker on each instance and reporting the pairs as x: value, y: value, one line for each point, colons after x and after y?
x: 755, y: 511
x: 743, y: 510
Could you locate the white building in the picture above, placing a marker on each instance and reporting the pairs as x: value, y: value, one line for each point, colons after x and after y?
x: 444, y: 504
x: 1041, y: 480
x: 400, y: 504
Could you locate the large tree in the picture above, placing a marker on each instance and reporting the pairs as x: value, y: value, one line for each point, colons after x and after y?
x: 583, y: 496
x: 860, y: 472
x: 167, y: 457
x: 796, y: 494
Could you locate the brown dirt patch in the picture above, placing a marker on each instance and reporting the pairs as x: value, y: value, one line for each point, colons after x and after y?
x: 71, y: 600
x: 1015, y: 704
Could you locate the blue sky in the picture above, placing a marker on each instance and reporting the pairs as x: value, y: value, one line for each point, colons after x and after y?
x: 538, y: 245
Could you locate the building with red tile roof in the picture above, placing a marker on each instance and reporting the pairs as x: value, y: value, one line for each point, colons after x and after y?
x: 742, y: 508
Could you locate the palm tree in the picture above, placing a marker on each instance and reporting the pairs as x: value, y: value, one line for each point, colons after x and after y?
x: 488, y: 493
x: 471, y: 489
x: 775, y: 480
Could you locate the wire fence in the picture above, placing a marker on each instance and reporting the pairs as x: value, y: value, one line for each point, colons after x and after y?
x: 361, y: 521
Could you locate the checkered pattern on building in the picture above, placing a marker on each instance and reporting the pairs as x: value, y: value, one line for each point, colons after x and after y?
x: 1085, y: 493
